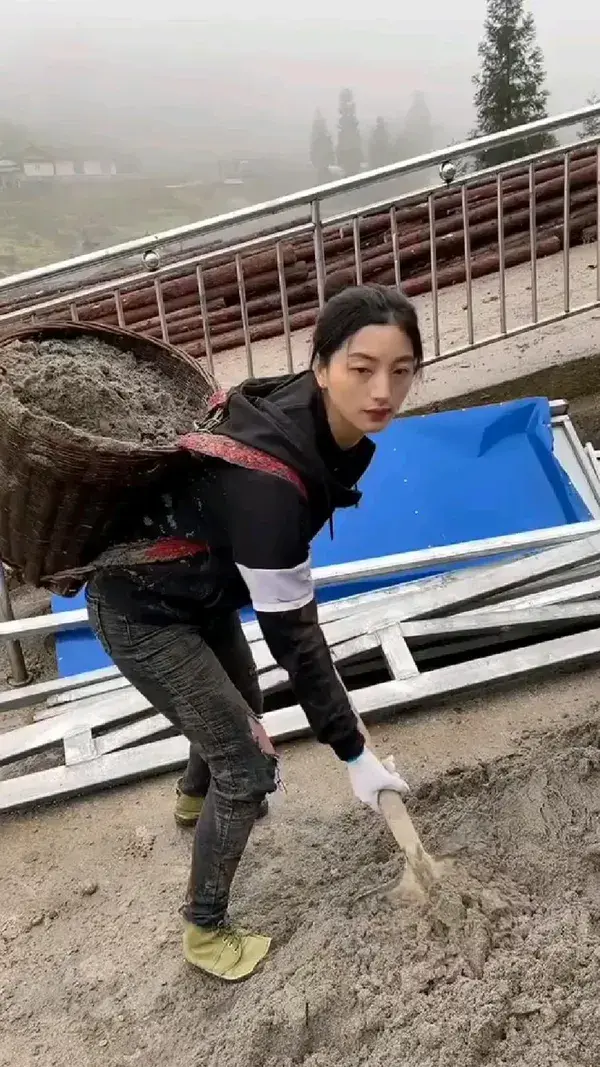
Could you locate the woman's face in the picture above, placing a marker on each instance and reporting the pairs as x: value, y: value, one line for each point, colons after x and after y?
x: 366, y: 382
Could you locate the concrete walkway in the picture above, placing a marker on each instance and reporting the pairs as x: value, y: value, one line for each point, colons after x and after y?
x: 483, y: 368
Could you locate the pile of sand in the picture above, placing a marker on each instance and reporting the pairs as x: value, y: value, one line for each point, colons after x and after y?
x: 501, y: 966
x: 93, y: 386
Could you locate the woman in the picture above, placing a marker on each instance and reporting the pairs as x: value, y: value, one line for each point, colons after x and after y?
x: 234, y: 528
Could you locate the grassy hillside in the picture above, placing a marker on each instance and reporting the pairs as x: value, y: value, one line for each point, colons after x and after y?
x: 43, y: 223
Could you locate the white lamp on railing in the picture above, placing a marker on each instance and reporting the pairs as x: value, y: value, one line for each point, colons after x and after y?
x: 448, y: 171
x: 151, y: 260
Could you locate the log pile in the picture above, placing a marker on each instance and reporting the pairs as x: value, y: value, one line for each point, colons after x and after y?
x: 179, y: 296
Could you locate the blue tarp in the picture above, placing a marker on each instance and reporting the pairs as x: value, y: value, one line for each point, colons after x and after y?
x: 452, y: 477
x: 436, y: 480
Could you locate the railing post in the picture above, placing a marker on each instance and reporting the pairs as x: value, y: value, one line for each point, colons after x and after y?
x: 567, y: 234
x: 598, y: 224
x: 20, y: 675
x: 319, y: 250
x: 533, y: 243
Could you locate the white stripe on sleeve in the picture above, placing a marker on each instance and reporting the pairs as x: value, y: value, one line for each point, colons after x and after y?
x: 281, y: 590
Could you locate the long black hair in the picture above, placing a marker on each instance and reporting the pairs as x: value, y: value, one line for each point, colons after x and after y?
x: 363, y: 305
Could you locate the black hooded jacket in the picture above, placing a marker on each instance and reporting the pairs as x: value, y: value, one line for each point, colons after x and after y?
x: 248, y: 500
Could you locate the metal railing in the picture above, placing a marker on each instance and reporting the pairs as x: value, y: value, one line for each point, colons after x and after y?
x: 109, y: 277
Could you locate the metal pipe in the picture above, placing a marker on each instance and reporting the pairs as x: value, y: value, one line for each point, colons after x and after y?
x: 160, y: 303
x: 208, y: 349
x: 435, y: 311
x: 501, y: 256
x: 239, y: 270
x: 120, y: 308
x: 319, y: 250
x: 533, y: 243
x: 308, y: 196
x: 598, y: 225
x: 395, y: 247
x: 567, y: 233
x: 468, y: 277
x: 357, y: 255
x: 13, y: 648
x: 285, y: 311
x: 437, y: 556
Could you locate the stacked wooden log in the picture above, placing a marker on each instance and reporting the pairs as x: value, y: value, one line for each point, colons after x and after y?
x: 176, y: 301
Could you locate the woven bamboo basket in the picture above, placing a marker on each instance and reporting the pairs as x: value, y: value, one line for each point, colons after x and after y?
x: 60, y: 487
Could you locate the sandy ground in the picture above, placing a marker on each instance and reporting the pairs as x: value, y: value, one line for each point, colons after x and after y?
x: 509, y: 358
x: 499, y: 967
x: 502, y: 967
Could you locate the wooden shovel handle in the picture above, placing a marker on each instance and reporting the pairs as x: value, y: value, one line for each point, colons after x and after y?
x: 399, y: 821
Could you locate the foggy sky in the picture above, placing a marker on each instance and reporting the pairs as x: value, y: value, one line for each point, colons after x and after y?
x: 126, y: 70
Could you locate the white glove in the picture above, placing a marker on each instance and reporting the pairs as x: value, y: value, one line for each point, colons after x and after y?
x: 369, y: 777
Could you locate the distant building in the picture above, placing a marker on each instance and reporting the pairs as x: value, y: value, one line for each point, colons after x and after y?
x: 64, y: 168
x: 10, y: 173
x: 38, y: 169
x: 95, y: 169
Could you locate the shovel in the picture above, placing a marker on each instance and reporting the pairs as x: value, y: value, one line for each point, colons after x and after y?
x: 422, y: 870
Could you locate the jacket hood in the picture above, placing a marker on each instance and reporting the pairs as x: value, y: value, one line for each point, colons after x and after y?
x: 285, y: 417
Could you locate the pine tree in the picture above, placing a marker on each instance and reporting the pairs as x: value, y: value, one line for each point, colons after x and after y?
x: 510, y: 86
x: 322, y: 155
x: 379, y: 151
x: 398, y: 147
x: 349, y: 148
x: 591, y: 127
x: 418, y: 129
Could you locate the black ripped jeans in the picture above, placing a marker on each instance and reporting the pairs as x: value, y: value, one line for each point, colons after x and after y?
x: 203, y: 679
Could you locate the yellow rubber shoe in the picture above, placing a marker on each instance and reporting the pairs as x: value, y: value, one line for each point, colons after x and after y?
x: 188, y: 808
x: 227, y: 952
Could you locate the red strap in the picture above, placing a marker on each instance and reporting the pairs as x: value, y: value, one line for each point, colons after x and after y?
x: 172, y: 548
x: 218, y: 446
x: 217, y: 400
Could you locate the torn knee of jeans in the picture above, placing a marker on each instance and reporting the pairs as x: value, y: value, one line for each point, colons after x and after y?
x: 261, y: 737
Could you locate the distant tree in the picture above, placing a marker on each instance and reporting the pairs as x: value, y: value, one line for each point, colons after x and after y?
x: 17, y: 143
x: 414, y: 135
x: 349, y: 147
x: 510, y: 86
x: 591, y: 127
x: 397, y: 144
x: 379, y: 150
x: 418, y: 129
x: 322, y: 154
